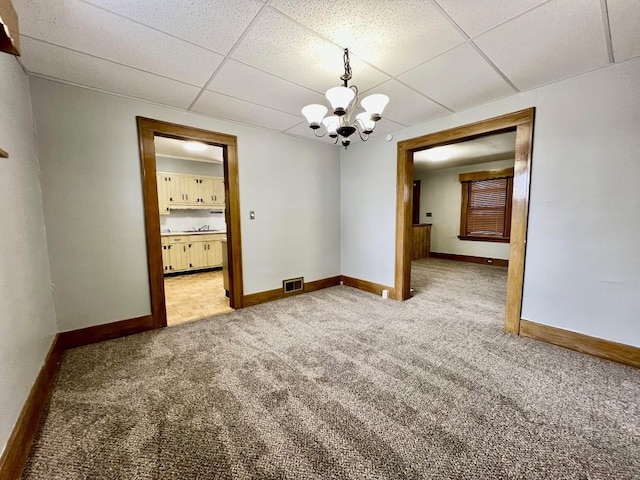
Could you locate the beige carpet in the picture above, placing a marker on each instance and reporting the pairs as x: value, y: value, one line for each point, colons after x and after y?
x: 341, y: 384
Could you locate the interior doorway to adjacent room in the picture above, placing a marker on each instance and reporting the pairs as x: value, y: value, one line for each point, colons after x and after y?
x: 190, y: 185
x: 522, y: 123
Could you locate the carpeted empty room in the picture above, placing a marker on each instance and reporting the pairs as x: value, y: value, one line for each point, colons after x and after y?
x: 343, y: 384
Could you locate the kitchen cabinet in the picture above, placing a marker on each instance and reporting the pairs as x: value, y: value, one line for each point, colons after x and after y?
x: 181, y: 191
x: 191, y: 252
x: 218, y: 191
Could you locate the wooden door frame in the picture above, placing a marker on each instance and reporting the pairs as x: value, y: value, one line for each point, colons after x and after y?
x: 522, y: 122
x: 147, y: 129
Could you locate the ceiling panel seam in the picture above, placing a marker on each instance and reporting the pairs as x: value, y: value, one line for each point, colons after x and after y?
x: 150, y: 27
x: 108, y: 60
x: 228, y: 56
x: 604, y: 8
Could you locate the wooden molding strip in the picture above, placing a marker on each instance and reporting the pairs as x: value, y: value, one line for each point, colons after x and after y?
x: 18, y: 446
x: 598, y: 347
x: 496, y: 262
x: 367, y: 286
x: 107, y: 331
x: 278, y: 293
x: 486, y: 175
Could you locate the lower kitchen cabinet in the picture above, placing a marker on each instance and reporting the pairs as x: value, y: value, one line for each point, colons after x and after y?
x: 191, y: 252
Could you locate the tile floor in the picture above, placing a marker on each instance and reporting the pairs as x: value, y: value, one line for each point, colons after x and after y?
x: 194, y: 296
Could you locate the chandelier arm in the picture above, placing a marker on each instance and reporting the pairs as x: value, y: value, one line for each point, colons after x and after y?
x: 366, y: 135
x: 315, y: 132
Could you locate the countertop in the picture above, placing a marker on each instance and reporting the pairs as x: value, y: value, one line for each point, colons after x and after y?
x: 191, y: 232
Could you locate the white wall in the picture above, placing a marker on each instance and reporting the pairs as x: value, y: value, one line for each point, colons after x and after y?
x: 440, y: 194
x: 583, y: 253
x: 94, y: 214
x: 27, y: 316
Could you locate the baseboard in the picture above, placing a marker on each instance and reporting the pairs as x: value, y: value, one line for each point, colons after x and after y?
x: 18, y: 446
x: 277, y: 294
x: 107, y: 331
x: 496, y: 262
x: 617, y: 352
x: 367, y: 286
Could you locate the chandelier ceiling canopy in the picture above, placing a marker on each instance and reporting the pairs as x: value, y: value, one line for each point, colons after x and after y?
x: 344, y: 99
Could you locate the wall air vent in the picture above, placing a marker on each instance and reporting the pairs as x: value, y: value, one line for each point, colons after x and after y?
x: 293, y: 285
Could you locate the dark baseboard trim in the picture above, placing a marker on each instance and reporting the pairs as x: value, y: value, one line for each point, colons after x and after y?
x: 18, y: 446
x: 107, y: 331
x: 617, y: 352
x: 367, y: 286
x: 496, y: 262
x: 277, y: 294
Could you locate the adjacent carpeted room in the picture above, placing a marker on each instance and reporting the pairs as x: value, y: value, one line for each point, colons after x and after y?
x: 343, y: 384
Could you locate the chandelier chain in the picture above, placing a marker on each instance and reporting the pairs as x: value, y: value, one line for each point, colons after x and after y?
x: 347, y: 68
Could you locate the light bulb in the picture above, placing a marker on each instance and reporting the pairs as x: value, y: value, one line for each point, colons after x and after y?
x: 340, y: 98
x: 331, y: 124
x: 366, y: 123
x: 314, y: 114
x: 374, y: 105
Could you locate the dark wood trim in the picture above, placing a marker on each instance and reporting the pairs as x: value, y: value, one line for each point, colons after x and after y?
x: 496, y: 262
x: 147, y: 130
x: 106, y: 331
x: 486, y: 175
x: 522, y: 123
x: 3, y: 154
x: 278, y: 293
x: 9, y: 29
x: 473, y: 238
x: 18, y: 446
x: 598, y: 347
x: 367, y: 286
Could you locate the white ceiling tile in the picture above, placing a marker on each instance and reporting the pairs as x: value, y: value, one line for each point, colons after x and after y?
x: 216, y: 25
x: 222, y: 106
x: 557, y: 40
x: 247, y: 83
x: 478, y: 17
x: 406, y: 106
x: 60, y: 63
x: 87, y: 29
x: 459, y: 79
x: 393, y: 35
x: 624, y: 22
x: 280, y: 46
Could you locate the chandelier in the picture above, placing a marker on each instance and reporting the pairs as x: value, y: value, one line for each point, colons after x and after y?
x: 343, y: 100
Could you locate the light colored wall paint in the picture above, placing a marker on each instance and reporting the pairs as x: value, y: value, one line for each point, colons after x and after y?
x: 27, y: 316
x: 440, y: 194
x: 94, y: 212
x: 583, y: 254
x: 176, y: 165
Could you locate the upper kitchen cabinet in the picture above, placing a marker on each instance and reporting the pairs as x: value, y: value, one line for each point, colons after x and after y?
x: 180, y: 191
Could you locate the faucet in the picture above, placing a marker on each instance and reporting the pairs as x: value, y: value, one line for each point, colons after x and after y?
x: 204, y: 228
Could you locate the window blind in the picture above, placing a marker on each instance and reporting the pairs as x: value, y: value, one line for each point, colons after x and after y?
x: 486, y: 208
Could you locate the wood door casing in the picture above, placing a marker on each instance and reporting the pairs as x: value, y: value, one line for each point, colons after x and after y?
x: 520, y: 121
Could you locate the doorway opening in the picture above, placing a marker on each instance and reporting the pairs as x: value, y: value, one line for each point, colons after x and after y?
x: 191, y: 213
x: 522, y: 123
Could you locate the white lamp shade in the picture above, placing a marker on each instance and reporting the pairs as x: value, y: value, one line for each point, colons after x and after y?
x: 331, y: 124
x: 365, y: 122
x: 374, y: 104
x: 314, y: 113
x: 340, y: 97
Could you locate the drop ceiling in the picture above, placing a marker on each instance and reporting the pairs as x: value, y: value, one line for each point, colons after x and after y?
x: 259, y: 62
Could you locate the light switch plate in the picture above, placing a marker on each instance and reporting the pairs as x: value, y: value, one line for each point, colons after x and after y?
x: 252, y: 215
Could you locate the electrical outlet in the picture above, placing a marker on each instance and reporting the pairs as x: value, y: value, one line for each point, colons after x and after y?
x: 428, y: 214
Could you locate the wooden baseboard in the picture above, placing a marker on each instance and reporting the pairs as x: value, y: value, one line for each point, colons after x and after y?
x: 107, y: 331
x: 367, y: 286
x: 18, y: 446
x: 496, y: 262
x: 617, y: 352
x: 277, y: 294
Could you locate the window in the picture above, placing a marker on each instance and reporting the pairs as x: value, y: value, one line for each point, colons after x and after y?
x: 486, y: 205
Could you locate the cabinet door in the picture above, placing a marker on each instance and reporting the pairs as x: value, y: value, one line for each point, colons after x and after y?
x: 214, y: 253
x: 163, y: 197
x: 179, y: 256
x: 196, y: 254
x: 166, y: 259
x: 218, y: 191
x: 173, y: 188
x: 207, y: 194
